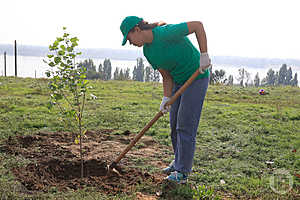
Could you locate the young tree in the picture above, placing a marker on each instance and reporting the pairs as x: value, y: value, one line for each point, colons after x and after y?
x: 256, y: 80
x: 68, y: 84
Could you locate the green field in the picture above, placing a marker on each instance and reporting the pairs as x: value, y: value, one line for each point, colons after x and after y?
x: 243, y: 138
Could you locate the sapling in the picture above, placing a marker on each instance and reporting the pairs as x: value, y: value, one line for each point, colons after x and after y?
x: 68, y: 84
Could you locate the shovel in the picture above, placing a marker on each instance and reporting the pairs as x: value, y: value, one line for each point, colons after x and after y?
x: 113, y: 165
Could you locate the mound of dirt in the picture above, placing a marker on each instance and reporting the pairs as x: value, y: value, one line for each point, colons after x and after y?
x: 55, y: 161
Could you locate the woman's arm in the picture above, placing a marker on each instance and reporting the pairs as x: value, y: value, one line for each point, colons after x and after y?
x: 167, y: 82
x: 197, y: 28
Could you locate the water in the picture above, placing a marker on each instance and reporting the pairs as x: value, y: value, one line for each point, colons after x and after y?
x: 35, y: 67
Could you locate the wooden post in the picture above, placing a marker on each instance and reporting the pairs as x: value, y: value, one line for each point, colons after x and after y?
x: 5, y: 63
x: 16, y: 71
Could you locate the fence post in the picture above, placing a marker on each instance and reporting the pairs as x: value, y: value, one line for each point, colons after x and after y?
x: 16, y: 59
x: 5, y: 63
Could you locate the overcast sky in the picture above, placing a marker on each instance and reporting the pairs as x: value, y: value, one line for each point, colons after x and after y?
x: 251, y: 28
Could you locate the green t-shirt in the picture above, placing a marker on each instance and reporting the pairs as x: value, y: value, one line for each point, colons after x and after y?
x: 171, y: 50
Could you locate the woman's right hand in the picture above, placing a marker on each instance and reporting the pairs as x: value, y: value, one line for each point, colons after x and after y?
x: 204, y: 62
x: 164, y: 109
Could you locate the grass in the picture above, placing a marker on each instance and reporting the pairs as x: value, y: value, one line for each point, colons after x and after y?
x: 239, y: 133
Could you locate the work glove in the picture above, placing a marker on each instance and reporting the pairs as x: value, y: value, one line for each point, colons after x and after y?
x: 162, y: 108
x: 204, y: 62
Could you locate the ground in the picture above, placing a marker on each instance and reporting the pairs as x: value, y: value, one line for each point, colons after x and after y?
x: 55, y: 161
x: 243, y: 140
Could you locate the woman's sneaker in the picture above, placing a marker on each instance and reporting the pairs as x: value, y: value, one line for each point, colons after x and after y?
x: 170, y: 168
x: 177, y: 177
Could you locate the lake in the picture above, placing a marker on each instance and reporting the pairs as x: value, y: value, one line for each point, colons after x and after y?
x: 29, y: 66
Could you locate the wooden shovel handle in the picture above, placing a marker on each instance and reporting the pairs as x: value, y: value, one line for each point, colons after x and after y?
x: 158, y: 115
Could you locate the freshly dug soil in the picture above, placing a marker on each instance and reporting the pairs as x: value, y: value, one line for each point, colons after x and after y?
x: 55, y: 161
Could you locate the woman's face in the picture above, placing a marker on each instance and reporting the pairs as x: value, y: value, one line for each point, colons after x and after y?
x: 135, y: 37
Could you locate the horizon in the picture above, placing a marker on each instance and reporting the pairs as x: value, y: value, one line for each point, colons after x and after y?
x: 128, y: 50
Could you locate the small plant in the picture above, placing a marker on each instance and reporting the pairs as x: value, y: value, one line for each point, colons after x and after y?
x: 68, y: 84
x: 201, y: 192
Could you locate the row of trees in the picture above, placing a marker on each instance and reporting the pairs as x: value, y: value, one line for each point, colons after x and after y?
x: 282, y: 77
x: 146, y: 74
x: 274, y: 78
x: 104, y: 72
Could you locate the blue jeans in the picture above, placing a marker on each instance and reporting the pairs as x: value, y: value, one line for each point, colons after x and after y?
x: 184, y: 120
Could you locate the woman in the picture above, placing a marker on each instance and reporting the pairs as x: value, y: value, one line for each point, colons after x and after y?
x: 169, y: 51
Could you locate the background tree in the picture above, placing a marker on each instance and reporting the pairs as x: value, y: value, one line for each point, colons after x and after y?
x: 121, y: 75
x: 270, y: 78
x: 230, y: 80
x: 107, y: 70
x: 156, y: 76
x: 289, y: 77
x: 294, y: 82
x: 101, y: 71
x: 282, y: 75
x: 134, y: 74
x: 127, y: 76
x: 218, y: 76
x: 148, y: 74
x: 276, y: 78
x: 140, y: 71
x: 242, y: 76
x: 91, y: 69
x: 256, y: 80
x: 116, y: 74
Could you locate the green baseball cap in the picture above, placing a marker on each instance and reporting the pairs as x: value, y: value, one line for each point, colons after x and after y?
x: 127, y: 24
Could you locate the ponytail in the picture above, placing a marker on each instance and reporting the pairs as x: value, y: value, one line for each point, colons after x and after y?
x: 146, y: 26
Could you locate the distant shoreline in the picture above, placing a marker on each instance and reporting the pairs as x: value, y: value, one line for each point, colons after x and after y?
x: 130, y: 55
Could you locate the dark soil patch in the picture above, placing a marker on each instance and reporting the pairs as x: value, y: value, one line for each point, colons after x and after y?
x: 55, y: 161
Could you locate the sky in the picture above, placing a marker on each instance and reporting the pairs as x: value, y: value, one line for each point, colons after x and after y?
x: 249, y: 28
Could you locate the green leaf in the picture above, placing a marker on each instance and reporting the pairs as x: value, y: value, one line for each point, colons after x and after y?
x: 61, y: 52
x: 74, y: 39
x: 63, y: 47
x: 70, y: 49
x: 48, y: 73
x: 64, y: 28
x: 59, y: 39
x: 66, y: 35
x: 50, y: 56
x: 55, y: 44
x: 57, y: 60
x: 51, y: 64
